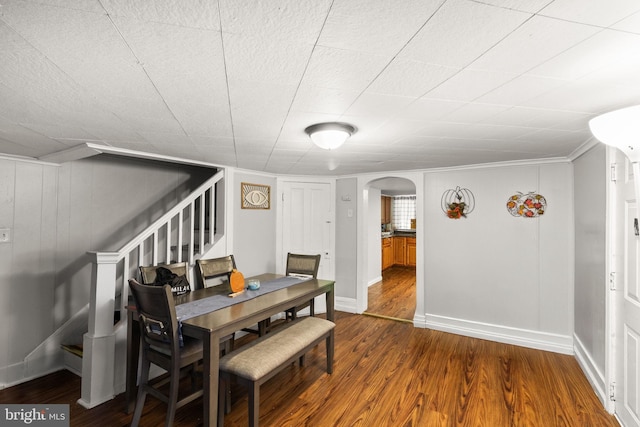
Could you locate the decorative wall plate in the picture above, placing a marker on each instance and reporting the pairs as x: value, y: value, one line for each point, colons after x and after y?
x: 255, y: 196
x: 528, y: 205
x: 457, y: 203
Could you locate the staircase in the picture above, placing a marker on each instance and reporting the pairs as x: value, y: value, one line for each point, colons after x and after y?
x: 184, y: 233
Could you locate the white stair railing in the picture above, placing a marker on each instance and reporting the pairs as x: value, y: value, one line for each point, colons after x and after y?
x: 182, y: 234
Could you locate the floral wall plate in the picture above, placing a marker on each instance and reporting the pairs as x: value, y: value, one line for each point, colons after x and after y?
x: 528, y: 205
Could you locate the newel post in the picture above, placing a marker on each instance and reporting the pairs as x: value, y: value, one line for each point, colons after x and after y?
x: 98, y: 359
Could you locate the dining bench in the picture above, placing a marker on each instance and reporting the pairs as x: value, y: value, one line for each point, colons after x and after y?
x: 261, y: 359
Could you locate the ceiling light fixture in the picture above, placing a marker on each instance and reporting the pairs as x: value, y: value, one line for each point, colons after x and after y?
x: 330, y: 135
x: 620, y: 129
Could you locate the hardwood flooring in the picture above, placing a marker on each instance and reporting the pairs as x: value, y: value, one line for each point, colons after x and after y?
x: 395, y: 295
x: 386, y: 373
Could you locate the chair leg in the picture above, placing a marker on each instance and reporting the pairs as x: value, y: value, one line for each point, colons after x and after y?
x: 223, y: 398
x: 312, y: 307
x: 227, y: 346
x: 172, y: 401
x: 142, y: 393
x: 262, y: 327
x: 227, y: 393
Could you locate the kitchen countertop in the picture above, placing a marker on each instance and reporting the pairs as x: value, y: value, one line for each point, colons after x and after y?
x: 397, y: 233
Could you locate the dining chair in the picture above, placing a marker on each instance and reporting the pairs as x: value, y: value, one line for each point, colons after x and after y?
x: 148, y: 273
x: 162, y: 346
x: 216, y: 268
x: 303, y: 266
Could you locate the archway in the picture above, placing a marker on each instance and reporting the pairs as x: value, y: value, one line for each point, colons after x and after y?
x: 369, y: 232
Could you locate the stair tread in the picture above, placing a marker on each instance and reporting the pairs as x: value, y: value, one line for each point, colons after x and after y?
x: 73, y: 349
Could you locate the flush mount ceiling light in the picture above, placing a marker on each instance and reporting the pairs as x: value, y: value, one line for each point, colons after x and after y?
x: 330, y: 135
x: 620, y: 129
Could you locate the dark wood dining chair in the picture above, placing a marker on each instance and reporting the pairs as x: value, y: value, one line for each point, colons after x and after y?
x: 216, y: 268
x: 162, y: 345
x: 148, y: 272
x: 304, y: 266
x: 213, y: 268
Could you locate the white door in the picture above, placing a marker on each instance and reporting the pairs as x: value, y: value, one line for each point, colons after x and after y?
x: 307, y: 223
x: 627, y: 296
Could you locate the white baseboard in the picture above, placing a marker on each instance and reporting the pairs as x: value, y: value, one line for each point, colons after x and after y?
x: 420, y: 321
x: 23, y: 372
x: 348, y: 305
x: 521, y: 337
x: 592, y: 372
x: 374, y: 281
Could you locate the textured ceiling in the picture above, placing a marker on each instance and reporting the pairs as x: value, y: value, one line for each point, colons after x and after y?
x: 428, y: 83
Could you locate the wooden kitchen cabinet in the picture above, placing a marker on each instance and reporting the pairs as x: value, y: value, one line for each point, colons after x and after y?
x: 385, y: 210
x: 411, y: 251
x: 399, y: 251
x: 387, y: 253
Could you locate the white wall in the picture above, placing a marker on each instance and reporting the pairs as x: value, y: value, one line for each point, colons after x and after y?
x: 254, y: 230
x: 496, y: 276
x: 346, y: 239
x: 590, y: 195
x: 374, y: 255
x: 57, y: 214
x: 28, y: 207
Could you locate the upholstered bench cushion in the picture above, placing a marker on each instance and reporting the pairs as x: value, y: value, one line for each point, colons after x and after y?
x: 261, y: 356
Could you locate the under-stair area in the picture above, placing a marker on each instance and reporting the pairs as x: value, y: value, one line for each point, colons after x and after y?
x: 186, y: 232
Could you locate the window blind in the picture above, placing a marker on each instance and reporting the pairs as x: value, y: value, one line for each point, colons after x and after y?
x: 403, y: 210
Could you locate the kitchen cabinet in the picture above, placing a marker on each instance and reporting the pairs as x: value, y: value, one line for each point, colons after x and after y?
x: 411, y: 251
x: 385, y: 210
x: 387, y: 253
x: 399, y: 251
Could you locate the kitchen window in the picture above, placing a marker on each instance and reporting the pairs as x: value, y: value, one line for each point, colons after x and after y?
x: 403, y: 210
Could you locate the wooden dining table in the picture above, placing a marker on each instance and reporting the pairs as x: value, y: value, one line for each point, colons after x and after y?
x: 212, y: 325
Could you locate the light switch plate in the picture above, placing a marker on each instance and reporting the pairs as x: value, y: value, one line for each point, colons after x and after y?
x: 5, y: 235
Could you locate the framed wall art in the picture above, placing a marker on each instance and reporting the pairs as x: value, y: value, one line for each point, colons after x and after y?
x: 255, y: 196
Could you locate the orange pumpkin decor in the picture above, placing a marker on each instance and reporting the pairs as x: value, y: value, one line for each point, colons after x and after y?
x: 528, y: 205
x: 457, y: 203
x: 236, y: 280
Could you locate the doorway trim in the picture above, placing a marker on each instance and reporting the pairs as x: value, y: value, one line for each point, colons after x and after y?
x: 417, y: 178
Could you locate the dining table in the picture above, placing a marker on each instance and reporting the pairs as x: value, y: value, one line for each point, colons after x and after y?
x: 212, y: 315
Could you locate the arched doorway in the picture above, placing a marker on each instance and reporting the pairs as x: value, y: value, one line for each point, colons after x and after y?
x: 370, y: 233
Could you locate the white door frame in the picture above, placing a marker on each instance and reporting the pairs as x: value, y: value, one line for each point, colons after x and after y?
x: 610, y: 266
x: 619, y: 311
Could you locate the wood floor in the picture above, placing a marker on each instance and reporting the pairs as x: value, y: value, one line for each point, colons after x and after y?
x: 386, y: 373
x: 395, y: 295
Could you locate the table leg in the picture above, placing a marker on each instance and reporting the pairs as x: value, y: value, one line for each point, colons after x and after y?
x: 330, y: 305
x: 133, y: 353
x: 211, y: 368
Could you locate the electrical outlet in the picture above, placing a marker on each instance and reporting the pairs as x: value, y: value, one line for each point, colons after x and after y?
x: 5, y: 235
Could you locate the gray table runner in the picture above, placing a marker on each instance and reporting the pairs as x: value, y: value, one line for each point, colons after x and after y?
x: 215, y: 302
